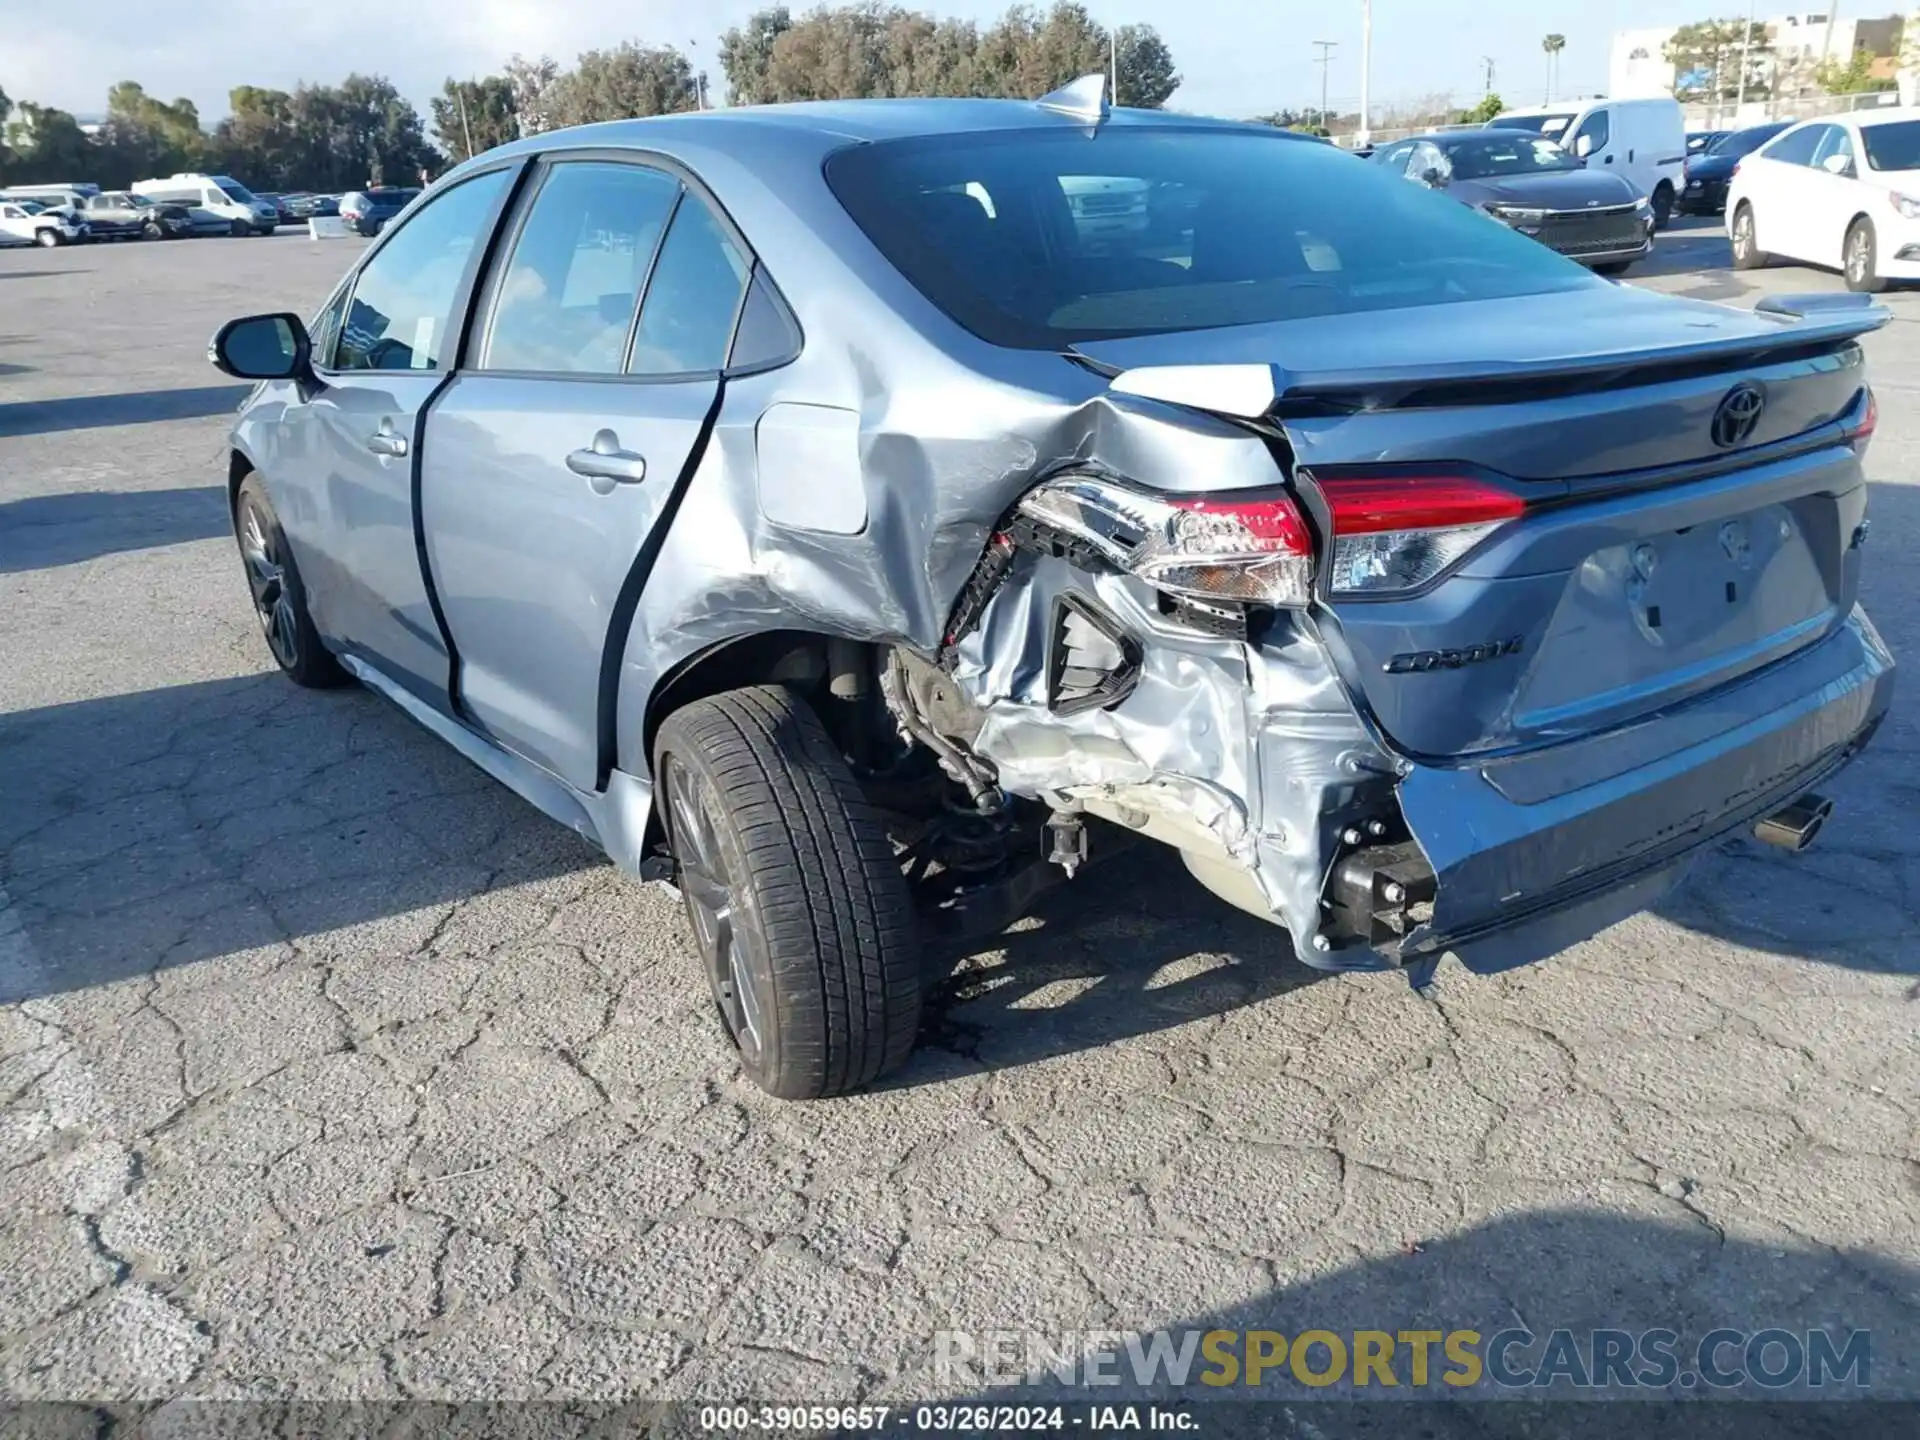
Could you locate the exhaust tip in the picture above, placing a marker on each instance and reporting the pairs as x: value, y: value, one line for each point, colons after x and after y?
x: 1794, y: 827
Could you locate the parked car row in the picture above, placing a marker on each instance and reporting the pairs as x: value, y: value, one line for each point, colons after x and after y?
x: 169, y: 208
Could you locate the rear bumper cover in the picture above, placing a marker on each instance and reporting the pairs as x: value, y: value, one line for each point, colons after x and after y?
x: 1528, y: 863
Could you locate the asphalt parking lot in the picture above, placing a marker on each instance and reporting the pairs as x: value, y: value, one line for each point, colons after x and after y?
x: 332, y: 1070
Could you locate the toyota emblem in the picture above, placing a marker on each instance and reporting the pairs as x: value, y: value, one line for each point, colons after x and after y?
x: 1737, y: 415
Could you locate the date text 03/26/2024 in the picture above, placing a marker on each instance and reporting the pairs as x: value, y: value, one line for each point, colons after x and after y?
x: 966, y: 1419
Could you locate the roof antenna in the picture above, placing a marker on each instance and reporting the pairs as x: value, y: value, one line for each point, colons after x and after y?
x: 1085, y: 99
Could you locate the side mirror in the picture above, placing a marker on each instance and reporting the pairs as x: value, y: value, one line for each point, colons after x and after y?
x: 1583, y: 146
x: 262, y: 347
x: 1433, y: 178
x: 1836, y: 165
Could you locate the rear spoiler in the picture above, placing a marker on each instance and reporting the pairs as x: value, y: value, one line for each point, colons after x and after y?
x: 1251, y: 391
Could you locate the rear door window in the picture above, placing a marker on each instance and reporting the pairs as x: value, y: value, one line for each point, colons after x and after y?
x: 565, y: 303
x: 693, y: 297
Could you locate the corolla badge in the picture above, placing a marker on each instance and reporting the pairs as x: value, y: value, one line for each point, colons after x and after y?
x: 1737, y: 415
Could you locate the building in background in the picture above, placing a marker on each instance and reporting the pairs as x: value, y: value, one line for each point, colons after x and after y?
x: 1783, y: 72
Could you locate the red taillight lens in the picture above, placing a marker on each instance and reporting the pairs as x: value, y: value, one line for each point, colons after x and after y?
x: 1397, y: 532
x: 1861, y: 435
x: 1241, y: 549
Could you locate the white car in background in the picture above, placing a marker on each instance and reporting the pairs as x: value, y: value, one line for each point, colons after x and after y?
x: 25, y: 223
x: 1843, y: 192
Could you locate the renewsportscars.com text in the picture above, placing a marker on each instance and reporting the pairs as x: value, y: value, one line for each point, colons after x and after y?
x: 1378, y: 1360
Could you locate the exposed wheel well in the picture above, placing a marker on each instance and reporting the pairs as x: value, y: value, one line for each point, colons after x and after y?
x: 799, y: 658
x: 807, y: 661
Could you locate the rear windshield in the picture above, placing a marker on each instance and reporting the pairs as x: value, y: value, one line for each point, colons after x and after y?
x: 1040, y: 238
x: 1894, y: 146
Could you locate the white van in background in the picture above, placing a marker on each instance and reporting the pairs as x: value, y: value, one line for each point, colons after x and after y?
x: 1644, y: 141
x: 220, y: 195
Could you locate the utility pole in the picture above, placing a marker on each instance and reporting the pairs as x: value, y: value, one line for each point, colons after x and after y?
x: 1327, y: 48
x: 1365, y: 135
x: 1113, y: 67
x: 1487, y: 60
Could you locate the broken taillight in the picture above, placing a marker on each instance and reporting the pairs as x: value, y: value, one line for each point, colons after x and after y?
x: 1244, y: 548
x: 1397, y: 532
x: 1860, y: 434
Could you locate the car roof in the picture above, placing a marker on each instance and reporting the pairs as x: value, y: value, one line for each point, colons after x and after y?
x: 1891, y: 115
x: 742, y: 130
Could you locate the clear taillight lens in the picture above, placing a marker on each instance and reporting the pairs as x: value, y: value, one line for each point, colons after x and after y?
x: 1242, y: 549
x: 1398, y: 532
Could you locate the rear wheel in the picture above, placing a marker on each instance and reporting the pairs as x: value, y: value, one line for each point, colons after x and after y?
x: 1747, y: 254
x: 1861, y: 260
x: 1662, y: 203
x: 802, y: 918
x: 279, y: 599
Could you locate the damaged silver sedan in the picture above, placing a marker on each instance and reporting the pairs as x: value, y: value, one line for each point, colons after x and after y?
x: 865, y: 515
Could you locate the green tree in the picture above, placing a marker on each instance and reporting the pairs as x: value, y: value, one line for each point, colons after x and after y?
x: 1706, y: 57
x: 1489, y: 108
x: 626, y: 81
x: 1854, y: 76
x: 6, y: 155
x: 532, y: 82
x: 746, y: 52
x: 871, y: 48
x: 143, y: 136
x: 48, y: 144
x: 474, y: 115
x: 1147, y: 76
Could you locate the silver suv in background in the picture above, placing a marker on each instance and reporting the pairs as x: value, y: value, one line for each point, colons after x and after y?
x: 802, y: 503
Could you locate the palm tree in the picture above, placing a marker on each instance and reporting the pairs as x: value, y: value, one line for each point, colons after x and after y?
x: 1553, y: 45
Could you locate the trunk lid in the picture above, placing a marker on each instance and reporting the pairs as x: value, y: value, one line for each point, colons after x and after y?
x: 1658, y: 558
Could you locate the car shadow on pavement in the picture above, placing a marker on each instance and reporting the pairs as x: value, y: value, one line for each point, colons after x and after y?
x: 43, y: 531
x: 146, y: 831
x: 135, y: 407
x: 1691, y: 1255
x: 1131, y: 947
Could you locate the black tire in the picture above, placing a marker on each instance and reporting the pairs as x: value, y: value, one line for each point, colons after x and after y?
x: 279, y: 597
x: 1613, y: 267
x: 1860, y: 258
x: 1662, y: 203
x: 240, y: 228
x: 152, y: 231
x: 1745, y: 236
x: 48, y: 237
x: 803, y: 920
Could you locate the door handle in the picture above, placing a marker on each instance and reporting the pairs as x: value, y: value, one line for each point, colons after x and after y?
x: 605, y: 464
x: 387, y: 441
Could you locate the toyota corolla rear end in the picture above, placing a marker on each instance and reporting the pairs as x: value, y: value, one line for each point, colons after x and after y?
x: 1438, y: 602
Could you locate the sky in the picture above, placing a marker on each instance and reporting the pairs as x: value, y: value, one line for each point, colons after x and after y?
x: 1237, y: 57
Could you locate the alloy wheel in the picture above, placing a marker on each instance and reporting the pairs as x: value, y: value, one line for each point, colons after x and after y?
x: 713, y: 907
x: 1743, y: 233
x: 1859, y: 256
x: 267, y: 579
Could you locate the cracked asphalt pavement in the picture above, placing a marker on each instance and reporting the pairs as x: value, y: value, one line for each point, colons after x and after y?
x: 331, y: 1069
